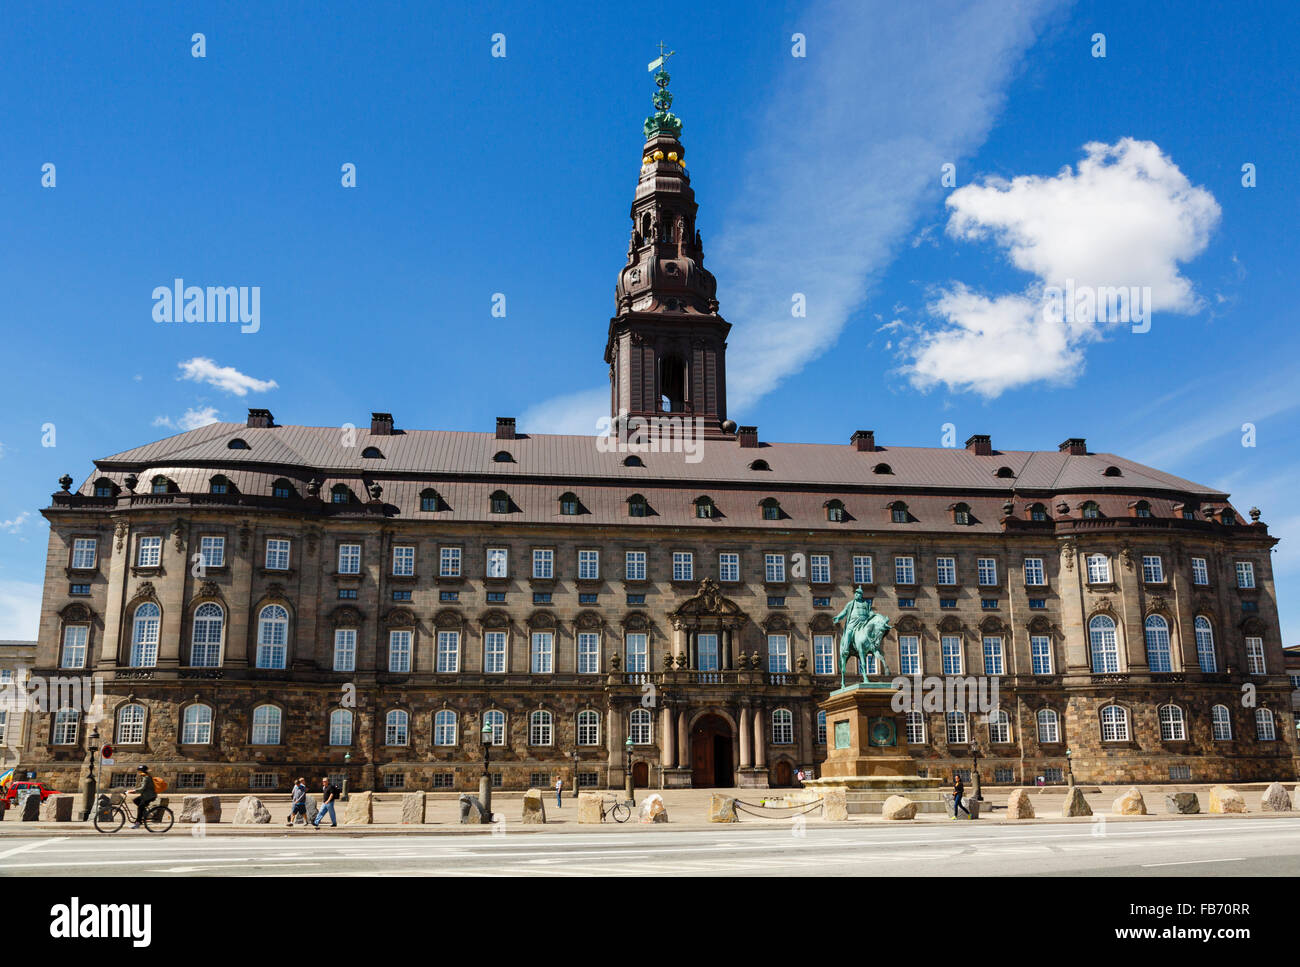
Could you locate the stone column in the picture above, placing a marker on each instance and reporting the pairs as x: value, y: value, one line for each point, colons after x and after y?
x: 614, y: 743
x: 119, y: 569
x: 693, y: 645
x: 724, y: 642
x: 683, y: 739
x: 746, y: 737
x: 171, y: 593
x: 668, y: 740
x: 760, y: 726
x: 805, y: 735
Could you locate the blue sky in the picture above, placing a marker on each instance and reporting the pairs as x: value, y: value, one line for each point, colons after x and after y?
x: 819, y: 175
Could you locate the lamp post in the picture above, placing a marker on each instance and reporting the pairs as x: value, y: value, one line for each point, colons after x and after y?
x: 576, y: 762
x: 975, y: 773
x: 627, y: 772
x: 1069, y: 769
x: 485, y: 784
x: 91, y: 784
x: 347, y: 762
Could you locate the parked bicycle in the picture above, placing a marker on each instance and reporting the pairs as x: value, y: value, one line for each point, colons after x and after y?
x: 112, y: 816
x: 620, y: 811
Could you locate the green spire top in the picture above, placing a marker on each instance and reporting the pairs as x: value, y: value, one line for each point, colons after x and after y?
x: 662, y: 121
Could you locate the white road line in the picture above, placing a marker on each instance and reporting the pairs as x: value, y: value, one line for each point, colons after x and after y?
x: 1231, y: 859
x: 30, y: 846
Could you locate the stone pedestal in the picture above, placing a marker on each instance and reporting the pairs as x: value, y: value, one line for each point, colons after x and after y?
x: 677, y: 778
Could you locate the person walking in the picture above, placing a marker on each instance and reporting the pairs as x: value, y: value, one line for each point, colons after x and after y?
x: 298, y: 802
x: 328, y: 794
x: 559, y: 793
x: 958, y: 790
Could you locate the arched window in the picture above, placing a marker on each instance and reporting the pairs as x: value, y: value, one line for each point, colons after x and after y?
x: 429, y: 500
x: 915, y: 728
x: 759, y: 465
x: 1111, y: 472
x: 272, y: 637
x: 1159, y: 655
x: 1098, y: 569
x: 444, y: 727
x: 1037, y: 512
x: 397, y: 727
x: 495, y: 719
x: 1049, y: 726
x: 540, y: 728
x: 160, y: 485
x: 633, y: 461
x: 639, y: 727
x: 341, y: 727
x: 1142, y: 509
x: 1090, y: 510
x: 1205, y: 653
x: 882, y: 468
x: 956, y: 721
x: 499, y: 502
x: 588, y: 727
x: 1222, y: 720
x: 283, y: 490
x: 637, y: 506
x: 266, y: 725
x: 196, y: 725
x: 1264, y: 730
x: 961, y: 514
x: 130, y: 725
x: 236, y: 443
x: 1173, y: 727
x: 782, y: 727
x: 1228, y: 517
x: 771, y: 509
x: 1005, y: 472
x: 105, y: 487
x: 1114, y: 724
x: 704, y: 507
x: 502, y: 456
x: 218, y: 485
x: 372, y: 453
x: 144, y: 635
x: 835, y: 511
x: 205, y: 637
x: 898, y: 512
x: 821, y: 727
x: 66, y: 721
x: 1104, y: 644
x: 340, y: 494
x: 569, y: 504
x: 999, y: 727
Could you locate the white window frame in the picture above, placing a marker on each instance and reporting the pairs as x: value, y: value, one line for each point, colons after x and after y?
x: 541, y: 653
x: 77, y: 646
x: 1114, y: 726
x: 588, y: 657
x: 277, y: 554
x: 495, y: 719
x: 999, y: 727
x: 268, y: 721
x: 640, y: 726
x: 1103, y: 643
x: 953, y: 653
x: 778, y: 654
x: 589, y: 565
x: 1200, y: 572
x: 863, y: 570
x: 206, y: 632
x: 446, y: 727
x: 588, y: 727
x: 909, y: 654
x: 403, y: 560
x: 345, y: 649
x: 1153, y: 569
x: 1221, y: 723
x: 66, y: 727
x: 349, y: 558
x: 397, y: 727
x: 494, y: 655
x: 541, y: 728
x: 636, y: 645
x: 401, y: 643
x: 1206, y: 654
x: 1173, y: 723
x: 212, y: 550
x: 149, y: 552
x: 904, y: 570
x: 543, y: 563
x: 449, y: 560
x: 196, y: 726
x: 84, y: 553
x: 634, y: 566
x: 729, y: 567
x: 819, y: 568
x: 1040, y: 654
x: 995, y: 662
x: 145, y: 634
x: 272, y: 637
x: 1255, y: 661
x: 774, y: 568
x: 1265, y: 725
x: 1098, y: 566
x: 824, y: 662
x: 956, y: 727
x: 497, y: 562
x: 1245, y: 574
x: 1048, y: 724
x: 130, y: 724
x: 1035, y: 573
x: 683, y: 566
x: 914, y: 727
x: 945, y: 571
x: 782, y: 726
x: 448, y: 657
x: 986, y: 570
x: 1159, y: 644
x: 340, y: 727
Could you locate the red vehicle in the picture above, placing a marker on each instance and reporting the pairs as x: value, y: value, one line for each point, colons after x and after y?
x: 11, y: 792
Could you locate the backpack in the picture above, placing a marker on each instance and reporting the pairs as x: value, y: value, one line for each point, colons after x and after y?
x: 159, y: 785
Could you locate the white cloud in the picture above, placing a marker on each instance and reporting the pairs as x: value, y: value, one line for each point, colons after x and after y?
x: 200, y: 369
x: 14, y: 525
x: 1128, y: 217
x: 575, y: 413
x: 191, y: 419
x: 20, y: 610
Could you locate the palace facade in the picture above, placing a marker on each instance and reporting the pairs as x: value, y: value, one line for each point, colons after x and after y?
x: 389, y: 604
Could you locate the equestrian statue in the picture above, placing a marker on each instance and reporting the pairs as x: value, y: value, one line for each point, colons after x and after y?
x: 864, y: 629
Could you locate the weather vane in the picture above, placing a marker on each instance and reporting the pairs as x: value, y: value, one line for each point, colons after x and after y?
x: 662, y: 59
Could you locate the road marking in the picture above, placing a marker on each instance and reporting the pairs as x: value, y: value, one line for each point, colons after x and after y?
x: 195, y: 869
x: 30, y: 846
x: 1230, y: 859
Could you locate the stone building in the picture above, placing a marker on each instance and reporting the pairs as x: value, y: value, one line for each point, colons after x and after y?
x: 16, y: 658
x: 265, y: 600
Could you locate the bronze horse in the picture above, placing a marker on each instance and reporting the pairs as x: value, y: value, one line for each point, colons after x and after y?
x: 864, y: 640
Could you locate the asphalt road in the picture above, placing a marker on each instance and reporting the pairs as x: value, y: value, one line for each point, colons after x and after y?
x: 1198, y: 849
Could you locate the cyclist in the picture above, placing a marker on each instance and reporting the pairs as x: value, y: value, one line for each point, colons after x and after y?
x: 145, y: 794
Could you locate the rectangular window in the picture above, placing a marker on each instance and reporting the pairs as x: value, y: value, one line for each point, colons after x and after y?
x: 345, y: 649
x: 74, y: 646
x: 904, y: 571
x: 277, y: 555
x: 636, y: 599
x: 588, y: 653
x: 449, y: 562
x: 543, y: 653
x: 774, y: 568
x: 401, y: 595
x: 399, y: 651
x: 951, y: 648
x: 862, y: 573
x: 496, y: 597
x: 1255, y: 656
x: 993, y: 656
x: 907, y: 602
x: 823, y: 655
x: 948, y: 603
x: 634, y: 567
x: 403, y: 561
x: 1245, y: 574
x: 394, y: 780
x: 494, y: 652
x: 543, y: 563
x: 1040, y: 650
x: 819, y: 568
x: 497, y: 559
x: 776, y: 600
x: 1035, y: 576
x: 638, y: 652
x: 946, y: 570
x: 349, y: 558
x: 587, y: 598
x: 83, y: 553
x: 707, y: 648
x: 212, y: 551
x: 1153, y: 569
x: 448, y: 652
x: 987, y: 568
x: 1037, y: 604
x: 79, y: 589
x: 1098, y: 569
x: 150, y: 552
x: 263, y: 780
x: 729, y: 567
x: 444, y: 780
x: 778, y: 653
x: 589, y: 565
x: 448, y: 597
x: 1200, y: 571
x: 821, y: 602
x: 189, y: 780
x: 347, y: 594
x: 541, y: 597
x: 989, y: 604
x: 909, y: 655
x: 683, y: 566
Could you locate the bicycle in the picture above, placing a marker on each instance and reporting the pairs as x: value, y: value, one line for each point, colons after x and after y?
x: 619, y: 810
x: 112, y: 816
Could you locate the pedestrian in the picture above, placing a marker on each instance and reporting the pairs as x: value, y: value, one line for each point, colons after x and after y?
x: 800, y: 776
x: 559, y: 793
x: 957, y: 791
x: 146, y: 793
x: 298, y: 801
x: 328, y: 793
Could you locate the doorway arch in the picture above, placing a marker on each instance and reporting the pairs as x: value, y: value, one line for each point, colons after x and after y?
x: 711, y: 758
x: 641, y: 775
x: 782, y: 774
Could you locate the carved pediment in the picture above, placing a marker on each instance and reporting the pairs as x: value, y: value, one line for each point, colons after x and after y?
x: 402, y: 618
x: 951, y: 625
x: 494, y: 619
x: 541, y: 619
x: 1039, y: 625
x: 76, y: 613
x: 822, y: 624
x: 346, y: 616
x: 636, y: 621
x: 448, y: 619
x: 776, y: 622
x: 708, y: 601
x: 588, y: 621
x: 992, y: 625
x: 908, y: 625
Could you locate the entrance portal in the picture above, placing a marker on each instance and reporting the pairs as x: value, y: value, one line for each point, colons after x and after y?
x: 711, y: 763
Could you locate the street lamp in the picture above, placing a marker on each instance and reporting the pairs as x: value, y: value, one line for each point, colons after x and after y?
x: 1069, y: 769
x: 627, y: 772
x: 576, y: 762
x: 347, y: 762
x: 975, y: 771
x: 92, y: 781
x: 485, y: 784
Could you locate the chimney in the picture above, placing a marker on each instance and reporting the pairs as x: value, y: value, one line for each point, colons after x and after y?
x: 259, y: 419
x: 864, y: 440
x: 505, y: 427
x: 1076, y: 446
x: 747, y: 436
x: 980, y: 444
x: 381, y: 424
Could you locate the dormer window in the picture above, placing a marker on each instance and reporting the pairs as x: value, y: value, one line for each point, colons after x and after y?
x: 372, y: 453
x: 961, y: 514
x: 703, y: 507
x: 218, y: 485
x: 1142, y: 509
x: 340, y: 494
x: 429, y: 500
x: 502, y: 456
x: 898, y: 512
x: 568, y: 505
x: 771, y: 509
x: 1005, y: 472
x: 1037, y: 512
x: 499, y: 502
x: 1112, y: 472
x: 1090, y: 510
x: 237, y: 444
x: 759, y: 465
x: 282, y: 490
x: 633, y: 461
x: 882, y: 468
x: 160, y: 485
x: 1228, y: 517
x: 104, y: 487
x: 835, y: 511
x: 637, y: 506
